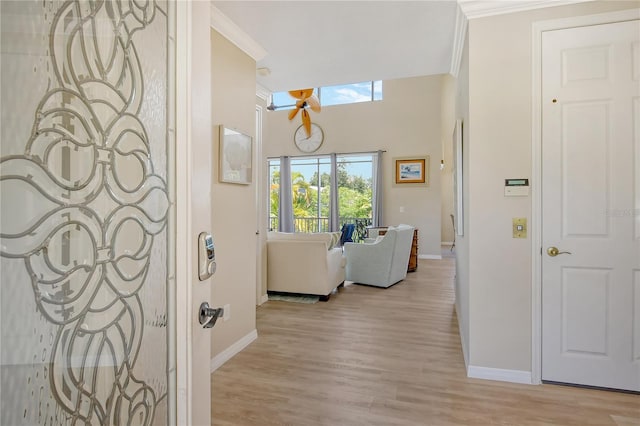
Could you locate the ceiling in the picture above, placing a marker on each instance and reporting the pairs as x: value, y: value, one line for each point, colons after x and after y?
x: 323, y: 43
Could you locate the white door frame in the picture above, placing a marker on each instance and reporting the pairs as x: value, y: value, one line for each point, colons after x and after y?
x: 183, y: 213
x: 536, y: 168
x: 260, y: 213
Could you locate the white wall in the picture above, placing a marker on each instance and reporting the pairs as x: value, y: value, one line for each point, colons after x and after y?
x: 233, y: 206
x: 406, y: 123
x: 499, y: 146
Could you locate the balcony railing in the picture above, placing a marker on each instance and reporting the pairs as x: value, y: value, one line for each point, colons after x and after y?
x: 321, y: 224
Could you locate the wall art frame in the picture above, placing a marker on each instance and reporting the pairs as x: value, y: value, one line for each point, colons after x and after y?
x: 412, y: 170
x: 236, y: 152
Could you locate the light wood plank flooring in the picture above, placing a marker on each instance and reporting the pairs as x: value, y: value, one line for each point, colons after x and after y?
x: 387, y: 357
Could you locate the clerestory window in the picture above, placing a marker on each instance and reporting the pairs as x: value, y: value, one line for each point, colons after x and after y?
x: 342, y: 94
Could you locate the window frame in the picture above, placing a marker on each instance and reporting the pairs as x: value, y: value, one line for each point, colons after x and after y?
x: 318, y: 92
x: 273, y: 163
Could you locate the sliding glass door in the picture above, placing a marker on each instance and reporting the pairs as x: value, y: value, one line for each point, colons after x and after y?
x: 311, y: 191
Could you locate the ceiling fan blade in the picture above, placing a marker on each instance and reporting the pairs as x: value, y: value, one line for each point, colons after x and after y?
x: 314, y: 103
x: 293, y: 113
x: 301, y: 94
x: 306, y: 120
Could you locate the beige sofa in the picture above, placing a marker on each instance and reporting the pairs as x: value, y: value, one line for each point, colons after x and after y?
x: 304, y: 263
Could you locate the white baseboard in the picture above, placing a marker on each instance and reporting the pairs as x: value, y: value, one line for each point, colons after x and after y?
x: 264, y: 298
x: 499, y: 374
x: 446, y: 243
x: 224, y: 356
x: 430, y: 256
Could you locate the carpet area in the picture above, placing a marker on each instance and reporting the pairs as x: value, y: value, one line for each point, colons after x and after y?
x: 295, y: 298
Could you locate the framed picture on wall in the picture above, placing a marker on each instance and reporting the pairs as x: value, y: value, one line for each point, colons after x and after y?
x: 412, y: 170
x: 235, y: 156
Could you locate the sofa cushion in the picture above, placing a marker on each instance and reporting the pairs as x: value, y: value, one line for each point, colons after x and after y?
x: 335, y: 239
x: 329, y: 238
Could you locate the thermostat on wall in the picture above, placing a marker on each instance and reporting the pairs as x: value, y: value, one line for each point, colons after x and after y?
x: 516, y: 187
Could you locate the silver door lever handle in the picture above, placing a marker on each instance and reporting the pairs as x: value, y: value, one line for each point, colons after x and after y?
x: 208, y: 315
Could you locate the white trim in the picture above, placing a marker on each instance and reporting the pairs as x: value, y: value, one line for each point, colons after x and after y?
x: 536, y: 167
x: 183, y: 279
x: 465, y: 351
x: 446, y: 243
x: 430, y: 256
x: 264, y: 298
x: 499, y: 374
x: 459, y: 35
x: 224, y: 356
x: 262, y: 92
x: 481, y: 8
x: 225, y: 26
x: 257, y: 170
x: 535, y: 227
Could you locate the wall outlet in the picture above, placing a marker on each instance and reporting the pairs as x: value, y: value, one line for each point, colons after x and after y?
x: 401, y: 209
x: 227, y: 312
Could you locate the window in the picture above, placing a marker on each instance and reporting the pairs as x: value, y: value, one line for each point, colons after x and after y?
x: 355, y: 188
x: 311, y: 191
x: 342, y: 94
x: 274, y: 195
x: 351, y: 93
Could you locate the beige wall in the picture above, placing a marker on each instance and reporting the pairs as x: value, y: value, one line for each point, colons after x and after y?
x: 233, y: 206
x: 448, y: 109
x: 499, y: 267
x: 406, y: 123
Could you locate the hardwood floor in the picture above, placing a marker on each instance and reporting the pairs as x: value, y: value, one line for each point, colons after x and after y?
x: 374, y: 356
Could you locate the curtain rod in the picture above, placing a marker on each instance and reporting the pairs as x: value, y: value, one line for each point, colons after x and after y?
x: 327, y: 155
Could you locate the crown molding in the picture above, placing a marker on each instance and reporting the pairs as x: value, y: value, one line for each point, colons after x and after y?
x: 483, y: 8
x: 225, y: 26
x: 262, y: 92
x: 459, y: 36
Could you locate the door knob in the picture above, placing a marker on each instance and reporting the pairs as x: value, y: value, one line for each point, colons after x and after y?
x: 208, y: 315
x: 553, y: 251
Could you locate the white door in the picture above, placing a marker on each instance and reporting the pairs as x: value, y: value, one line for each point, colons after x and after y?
x: 88, y: 228
x: 591, y: 205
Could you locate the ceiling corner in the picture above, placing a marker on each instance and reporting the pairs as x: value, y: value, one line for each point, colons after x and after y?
x: 225, y: 26
x: 262, y: 92
x: 459, y: 35
x: 483, y: 8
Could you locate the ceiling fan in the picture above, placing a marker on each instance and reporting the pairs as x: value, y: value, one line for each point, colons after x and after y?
x: 305, y: 99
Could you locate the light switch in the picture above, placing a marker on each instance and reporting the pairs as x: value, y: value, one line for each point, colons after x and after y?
x: 401, y: 209
x: 519, y: 227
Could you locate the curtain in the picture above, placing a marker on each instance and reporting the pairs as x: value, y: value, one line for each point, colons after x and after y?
x: 334, y: 215
x: 378, y: 188
x: 285, y: 212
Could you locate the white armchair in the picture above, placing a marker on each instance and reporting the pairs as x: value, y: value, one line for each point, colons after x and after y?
x: 304, y: 263
x: 383, y: 262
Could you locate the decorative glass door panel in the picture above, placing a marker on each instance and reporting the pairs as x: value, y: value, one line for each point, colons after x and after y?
x: 86, y: 214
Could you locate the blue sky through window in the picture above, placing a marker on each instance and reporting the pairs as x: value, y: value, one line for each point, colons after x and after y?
x: 346, y: 94
x: 337, y: 95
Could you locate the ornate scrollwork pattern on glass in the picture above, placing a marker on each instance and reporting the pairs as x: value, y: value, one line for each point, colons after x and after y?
x: 87, y: 248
